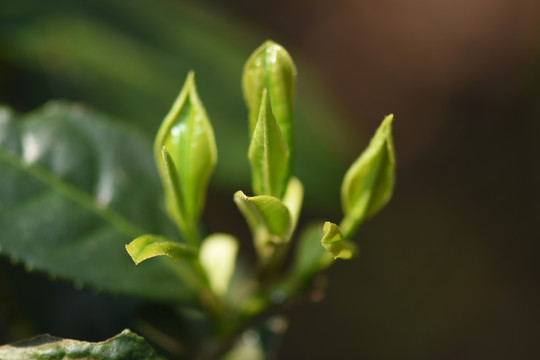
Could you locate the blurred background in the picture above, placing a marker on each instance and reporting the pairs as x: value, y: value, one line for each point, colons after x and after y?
x: 449, y: 270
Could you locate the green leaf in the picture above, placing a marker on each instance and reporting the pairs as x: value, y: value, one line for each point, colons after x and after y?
x: 218, y: 259
x: 74, y: 188
x: 125, y: 346
x: 268, y: 218
x: 186, y: 134
x: 334, y: 243
x: 271, y: 67
x: 369, y: 182
x: 148, y: 246
x: 268, y: 154
x: 85, y: 55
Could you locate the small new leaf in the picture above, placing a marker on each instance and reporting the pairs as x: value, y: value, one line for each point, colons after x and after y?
x: 268, y: 218
x: 173, y: 194
x: 271, y: 67
x: 334, y: 243
x: 268, y: 154
x: 148, y: 246
x: 369, y: 182
x: 187, y: 135
x: 218, y: 258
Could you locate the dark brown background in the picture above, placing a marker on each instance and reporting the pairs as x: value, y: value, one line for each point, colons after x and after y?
x: 450, y: 269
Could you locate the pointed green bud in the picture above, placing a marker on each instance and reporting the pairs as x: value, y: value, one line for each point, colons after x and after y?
x: 148, y: 246
x: 369, y: 182
x: 334, y: 243
x: 187, y: 137
x: 271, y: 67
x: 269, y: 220
x: 268, y: 154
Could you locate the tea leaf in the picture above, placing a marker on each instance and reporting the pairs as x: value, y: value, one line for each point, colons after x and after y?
x: 148, y: 246
x: 334, y: 243
x: 218, y: 259
x: 271, y: 67
x: 124, y: 346
x: 74, y: 188
x: 294, y: 195
x: 268, y: 218
x: 268, y: 154
x: 187, y: 136
x: 369, y: 182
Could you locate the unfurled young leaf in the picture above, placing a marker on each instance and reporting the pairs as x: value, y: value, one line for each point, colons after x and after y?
x: 268, y: 154
x: 268, y: 218
x: 188, y: 138
x: 149, y: 246
x: 334, y: 243
x: 271, y: 67
x: 369, y: 182
x: 218, y: 259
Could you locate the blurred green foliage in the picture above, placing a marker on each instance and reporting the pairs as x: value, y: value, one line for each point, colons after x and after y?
x: 129, y: 59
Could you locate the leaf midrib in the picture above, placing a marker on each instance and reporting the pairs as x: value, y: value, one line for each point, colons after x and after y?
x: 73, y: 193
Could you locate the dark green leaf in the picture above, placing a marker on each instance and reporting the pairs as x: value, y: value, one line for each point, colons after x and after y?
x: 74, y: 189
x: 369, y: 182
x: 268, y: 154
x: 125, y: 346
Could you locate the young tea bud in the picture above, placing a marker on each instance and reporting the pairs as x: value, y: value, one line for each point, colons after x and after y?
x: 271, y: 67
x: 187, y: 140
x: 369, y: 182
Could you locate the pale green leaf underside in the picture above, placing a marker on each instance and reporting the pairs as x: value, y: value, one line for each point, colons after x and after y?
x: 74, y: 188
x: 218, y: 258
x: 125, y: 346
x: 148, y: 246
x: 334, y: 243
x: 369, y: 182
x: 293, y: 198
x: 268, y: 154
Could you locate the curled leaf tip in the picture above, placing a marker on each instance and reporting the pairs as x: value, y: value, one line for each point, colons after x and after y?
x: 334, y: 243
x: 148, y: 246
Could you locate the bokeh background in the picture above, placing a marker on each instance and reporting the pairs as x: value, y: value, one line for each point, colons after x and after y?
x: 449, y: 270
